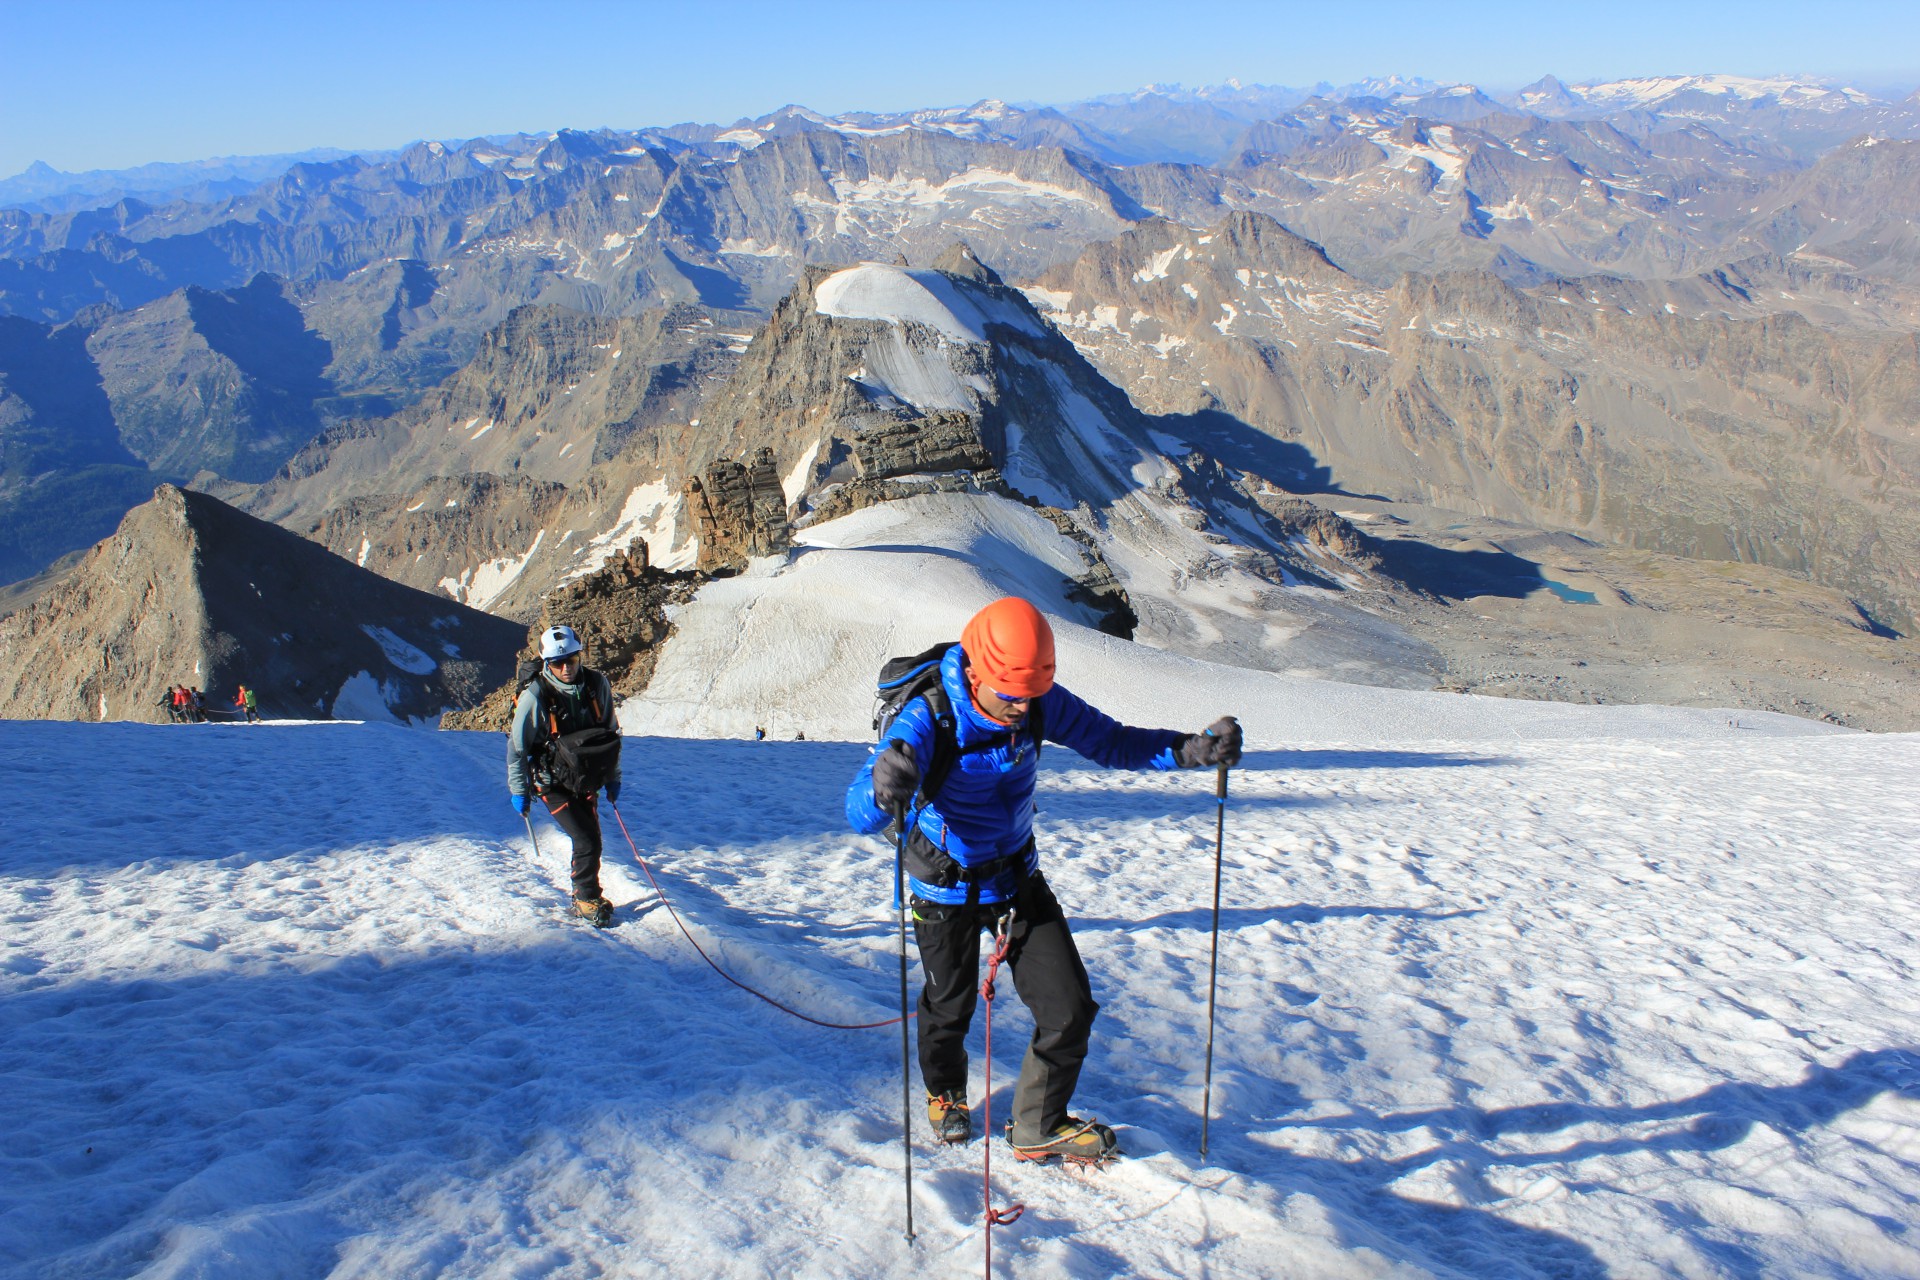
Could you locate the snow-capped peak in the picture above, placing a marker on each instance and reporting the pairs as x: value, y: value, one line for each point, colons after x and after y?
x: 1651, y: 91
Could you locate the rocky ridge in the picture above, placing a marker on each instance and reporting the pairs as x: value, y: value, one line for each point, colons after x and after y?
x: 884, y: 378
x: 190, y: 591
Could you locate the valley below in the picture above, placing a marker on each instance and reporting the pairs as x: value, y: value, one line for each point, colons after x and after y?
x: 1599, y: 394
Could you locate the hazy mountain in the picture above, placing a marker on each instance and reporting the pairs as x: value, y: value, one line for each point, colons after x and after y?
x: 541, y: 431
x: 66, y: 477
x: 227, y: 381
x: 40, y: 188
x: 1805, y: 117
x: 1151, y: 126
x: 1853, y: 208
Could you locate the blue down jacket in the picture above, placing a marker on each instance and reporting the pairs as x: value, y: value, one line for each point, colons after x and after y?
x: 984, y: 811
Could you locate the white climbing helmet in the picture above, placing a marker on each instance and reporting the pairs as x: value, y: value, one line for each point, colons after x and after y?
x: 558, y: 642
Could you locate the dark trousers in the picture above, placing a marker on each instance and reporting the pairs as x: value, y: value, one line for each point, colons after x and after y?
x: 579, y: 817
x: 1047, y: 973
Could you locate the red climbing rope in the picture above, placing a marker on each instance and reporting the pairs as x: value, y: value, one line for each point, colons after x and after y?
x: 834, y: 1026
x: 1010, y: 1214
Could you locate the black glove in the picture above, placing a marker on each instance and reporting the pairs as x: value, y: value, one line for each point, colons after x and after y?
x: 1219, y: 745
x: 895, y: 778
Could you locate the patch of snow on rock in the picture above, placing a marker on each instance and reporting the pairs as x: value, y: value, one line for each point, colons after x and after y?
x: 400, y: 653
x: 877, y: 291
x: 651, y: 513
x: 794, y: 483
x: 491, y: 580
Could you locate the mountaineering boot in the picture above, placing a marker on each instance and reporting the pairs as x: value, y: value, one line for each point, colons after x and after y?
x: 950, y: 1116
x: 1074, y: 1140
x: 596, y: 911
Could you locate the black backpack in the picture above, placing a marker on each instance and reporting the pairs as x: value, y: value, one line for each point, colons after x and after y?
x: 918, y: 676
x: 578, y: 760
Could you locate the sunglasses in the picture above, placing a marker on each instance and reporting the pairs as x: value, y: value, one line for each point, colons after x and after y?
x: 571, y: 660
x: 1008, y: 698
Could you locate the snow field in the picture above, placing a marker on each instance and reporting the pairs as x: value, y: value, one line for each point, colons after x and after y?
x: 1539, y: 1006
x: 876, y: 291
x: 794, y: 645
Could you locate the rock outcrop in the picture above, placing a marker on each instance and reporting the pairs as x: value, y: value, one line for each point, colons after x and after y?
x: 620, y: 613
x: 739, y: 511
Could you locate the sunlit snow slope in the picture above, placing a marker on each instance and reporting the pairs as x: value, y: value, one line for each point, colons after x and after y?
x: 794, y: 644
x: 1606, y: 995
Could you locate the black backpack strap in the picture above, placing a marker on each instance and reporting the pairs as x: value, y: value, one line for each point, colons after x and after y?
x: 946, y: 743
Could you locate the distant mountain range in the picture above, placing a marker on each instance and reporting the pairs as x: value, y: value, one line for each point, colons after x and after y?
x: 1644, y: 325
x: 41, y: 188
x: 1155, y: 124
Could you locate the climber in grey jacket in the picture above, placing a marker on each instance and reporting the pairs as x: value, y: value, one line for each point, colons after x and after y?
x: 564, y: 748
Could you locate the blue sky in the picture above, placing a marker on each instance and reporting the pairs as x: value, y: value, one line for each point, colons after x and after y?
x: 88, y: 84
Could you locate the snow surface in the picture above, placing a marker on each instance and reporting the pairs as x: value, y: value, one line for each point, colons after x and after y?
x: 365, y: 697
x: 483, y: 585
x: 792, y: 645
x: 1505, y: 988
x: 877, y: 291
x: 1651, y: 91
x: 652, y: 512
x: 1637, y: 1001
x: 917, y: 375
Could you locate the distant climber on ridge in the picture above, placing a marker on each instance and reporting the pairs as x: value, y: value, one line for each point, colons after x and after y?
x: 957, y: 764
x: 564, y: 747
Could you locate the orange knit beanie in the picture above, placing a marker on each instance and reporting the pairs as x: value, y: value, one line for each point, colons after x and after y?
x: 1011, y: 646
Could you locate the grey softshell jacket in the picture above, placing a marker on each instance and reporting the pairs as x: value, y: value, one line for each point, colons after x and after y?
x: 530, y: 731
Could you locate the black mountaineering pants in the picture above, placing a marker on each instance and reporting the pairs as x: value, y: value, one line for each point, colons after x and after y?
x: 579, y: 817
x: 1047, y: 973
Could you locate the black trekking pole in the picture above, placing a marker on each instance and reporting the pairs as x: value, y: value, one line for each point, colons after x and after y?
x: 1213, y: 964
x: 906, y: 1088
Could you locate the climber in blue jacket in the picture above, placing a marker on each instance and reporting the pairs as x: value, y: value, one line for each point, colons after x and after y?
x: 974, y: 739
